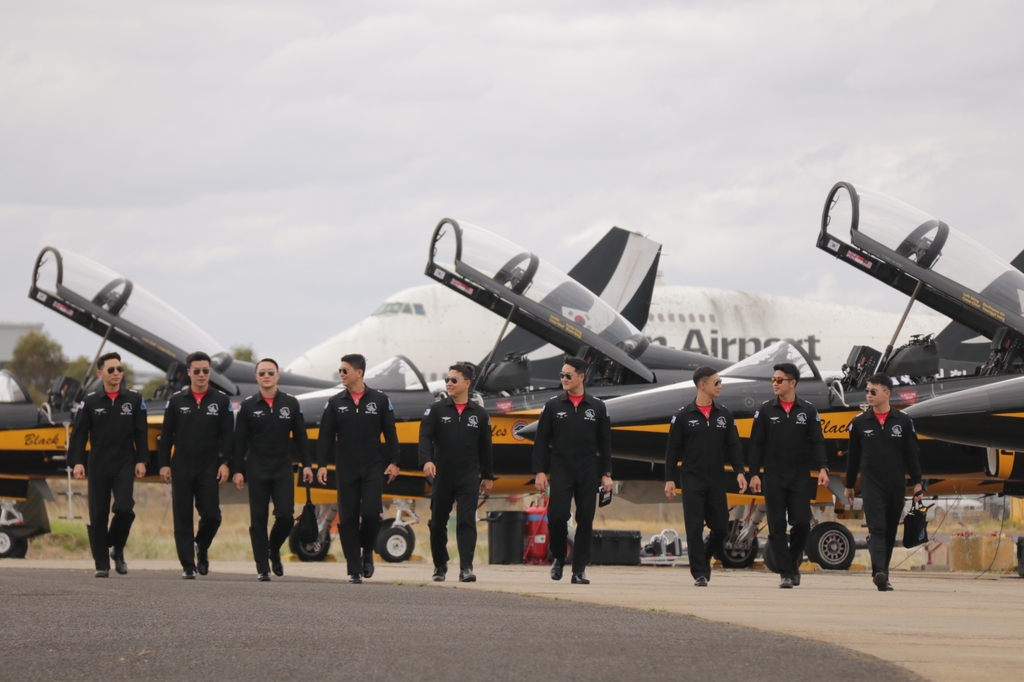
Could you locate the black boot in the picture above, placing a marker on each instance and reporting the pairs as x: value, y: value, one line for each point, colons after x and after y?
x: 117, y: 554
x: 275, y: 563
x: 556, y: 569
x: 367, y: 563
x: 202, y: 560
x: 439, y: 572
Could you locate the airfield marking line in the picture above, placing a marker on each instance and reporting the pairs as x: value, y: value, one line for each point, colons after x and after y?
x: 941, y: 626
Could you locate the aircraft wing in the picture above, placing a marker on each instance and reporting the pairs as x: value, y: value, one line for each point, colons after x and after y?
x: 532, y: 294
x: 986, y: 416
x: 904, y: 247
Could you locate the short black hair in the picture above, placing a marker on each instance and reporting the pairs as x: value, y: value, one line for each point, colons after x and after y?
x: 355, y: 360
x: 271, y: 361
x: 790, y: 370
x: 578, y: 364
x: 198, y: 356
x: 102, y: 360
x: 463, y: 368
x: 703, y: 372
x: 881, y: 379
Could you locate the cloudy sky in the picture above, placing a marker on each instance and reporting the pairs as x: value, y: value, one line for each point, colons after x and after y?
x: 274, y: 170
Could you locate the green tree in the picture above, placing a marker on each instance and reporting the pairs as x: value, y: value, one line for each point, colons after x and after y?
x: 150, y: 388
x: 244, y: 352
x: 38, y: 360
x: 80, y: 368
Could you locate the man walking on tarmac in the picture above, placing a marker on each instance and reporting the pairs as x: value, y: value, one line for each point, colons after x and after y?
x: 883, y: 450
x: 267, y: 424
x: 455, y: 451
x: 786, y: 436
x: 703, y: 436
x: 350, y: 429
x: 199, y: 426
x: 113, y: 420
x: 573, y: 445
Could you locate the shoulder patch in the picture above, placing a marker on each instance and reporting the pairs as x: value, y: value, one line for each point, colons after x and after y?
x: 756, y: 413
x: 90, y: 393
x: 427, y: 413
x: 673, y: 420
x: 143, y: 403
x: 390, y: 406
x: 250, y: 397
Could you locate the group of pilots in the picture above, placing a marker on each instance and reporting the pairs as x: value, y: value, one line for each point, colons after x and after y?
x: 203, y: 445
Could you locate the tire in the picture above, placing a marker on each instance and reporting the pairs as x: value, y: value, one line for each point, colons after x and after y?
x: 832, y: 546
x: 395, y: 545
x: 8, y: 544
x: 309, y: 551
x: 737, y: 558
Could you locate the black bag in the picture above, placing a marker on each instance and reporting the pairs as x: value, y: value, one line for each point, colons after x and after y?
x: 306, y: 530
x: 915, y: 526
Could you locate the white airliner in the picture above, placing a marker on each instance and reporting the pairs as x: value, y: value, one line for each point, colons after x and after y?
x: 435, y: 327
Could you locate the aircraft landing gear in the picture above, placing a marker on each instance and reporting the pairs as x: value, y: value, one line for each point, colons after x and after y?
x: 396, y: 540
x: 317, y: 550
x: 740, y: 547
x: 831, y: 545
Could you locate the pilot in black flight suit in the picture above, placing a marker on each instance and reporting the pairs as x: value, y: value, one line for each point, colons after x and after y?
x: 267, y: 423
x: 113, y: 421
x: 883, y: 450
x: 786, y: 436
x: 199, y: 425
x: 702, y: 436
x: 573, y: 444
x: 350, y: 429
x: 455, y: 451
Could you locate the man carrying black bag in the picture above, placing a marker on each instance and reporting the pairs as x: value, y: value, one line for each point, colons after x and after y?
x: 883, y: 450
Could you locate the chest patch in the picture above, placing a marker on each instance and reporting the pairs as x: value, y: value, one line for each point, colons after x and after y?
x: 473, y: 421
x: 721, y: 422
x: 371, y: 408
x: 126, y: 409
x: 185, y: 409
x: 446, y: 420
x: 342, y: 409
x: 801, y: 418
x: 212, y: 409
x: 590, y: 416
x: 693, y: 422
x: 561, y: 415
x: 285, y: 413
x: 897, y: 431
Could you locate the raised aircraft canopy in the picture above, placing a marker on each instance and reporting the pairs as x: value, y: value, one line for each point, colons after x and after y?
x: 902, y: 245
x: 548, y: 303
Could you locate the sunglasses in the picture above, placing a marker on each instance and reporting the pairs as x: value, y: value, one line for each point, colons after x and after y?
x: 267, y: 372
x: 451, y: 380
x: 200, y: 370
x: 565, y: 375
x: 779, y: 380
x: 872, y: 391
x: 718, y: 382
x: 119, y: 369
x: 343, y: 371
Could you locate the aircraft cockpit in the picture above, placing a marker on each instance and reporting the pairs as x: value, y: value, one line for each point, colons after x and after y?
x: 930, y: 262
x: 125, y: 314
x: 535, y: 296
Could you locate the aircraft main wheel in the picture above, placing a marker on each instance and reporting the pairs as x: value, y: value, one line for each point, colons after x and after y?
x: 738, y: 557
x: 395, y: 544
x: 8, y: 544
x: 309, y: 551
x: 832, y: 546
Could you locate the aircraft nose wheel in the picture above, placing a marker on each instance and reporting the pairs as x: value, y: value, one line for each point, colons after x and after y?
x: 396, y: 543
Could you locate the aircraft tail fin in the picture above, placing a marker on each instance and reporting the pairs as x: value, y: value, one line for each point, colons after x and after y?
x: 1018, y: 262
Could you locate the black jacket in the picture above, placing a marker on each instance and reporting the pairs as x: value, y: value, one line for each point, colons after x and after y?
x: 883, y: 455
x: 703, y: 445
x: 262, y: 435
x: 201, y: 434
x: 457, y: 444
x: 115, y: 428
x: 573, y: 438
x: 352, y: 432
x: 787, y: 445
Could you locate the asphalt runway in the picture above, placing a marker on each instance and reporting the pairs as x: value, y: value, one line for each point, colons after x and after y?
x: 63, y: 624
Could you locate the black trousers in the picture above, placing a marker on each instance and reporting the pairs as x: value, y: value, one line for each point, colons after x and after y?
x: 788, y: 497
x: 264, y: 487
x: 119, y: 481
x: 360, y: 505
x: 189, y: 488
x: 704, y: 502
x: 567, y: 486
x: 883, y: 511
x: 463, y: 492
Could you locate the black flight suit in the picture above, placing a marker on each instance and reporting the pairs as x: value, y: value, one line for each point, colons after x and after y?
x: 201, y: 435
x: 790, y: 446
x: 882, y: 456
x: 352, y: 434
x: 703, y: 445
x: 263, y: 452
x: 117, y: 433
x: 573, y: 446
x: 460, y: 448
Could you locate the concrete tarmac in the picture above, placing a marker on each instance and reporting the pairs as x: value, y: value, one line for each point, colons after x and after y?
x: 938, y: 626
x: 151, y: 624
